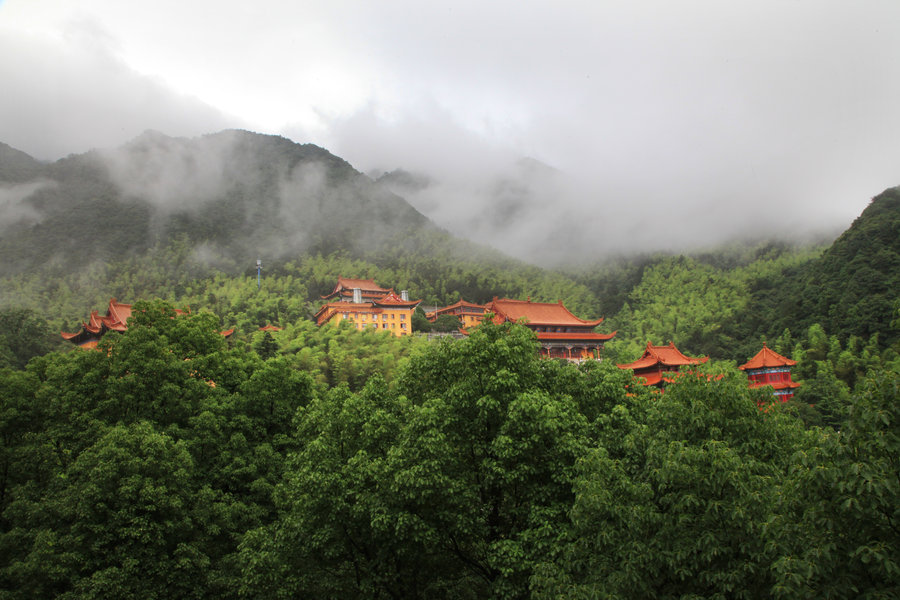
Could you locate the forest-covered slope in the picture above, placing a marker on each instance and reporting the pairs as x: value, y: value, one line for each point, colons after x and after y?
x: 854, y: 287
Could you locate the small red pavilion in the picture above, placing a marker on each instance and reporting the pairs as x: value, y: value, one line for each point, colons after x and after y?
x: 770, y: 368
x: 560, y: 333
x: 658, y: 360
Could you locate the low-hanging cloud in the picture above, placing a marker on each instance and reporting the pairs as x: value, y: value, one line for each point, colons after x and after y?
x: 70, y: 95
x: 14, y: 208
x: 661, y: 125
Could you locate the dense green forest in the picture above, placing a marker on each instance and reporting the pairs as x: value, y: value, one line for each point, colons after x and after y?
x: 169, y: 464
x: 327, y: 462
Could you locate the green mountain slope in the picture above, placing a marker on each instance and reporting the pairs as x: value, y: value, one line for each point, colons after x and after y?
x: 853, y: 289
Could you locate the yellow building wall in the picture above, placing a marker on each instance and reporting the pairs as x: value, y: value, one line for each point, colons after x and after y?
x: 398, y: 321
x: 469, y: 321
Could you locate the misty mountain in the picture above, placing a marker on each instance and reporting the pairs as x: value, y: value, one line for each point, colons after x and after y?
x: 16, y: 166
x: 524, y: 208
x: 853, y: 289
x: 232, y: 195
x: 158, y: 214
x: 402, y: 182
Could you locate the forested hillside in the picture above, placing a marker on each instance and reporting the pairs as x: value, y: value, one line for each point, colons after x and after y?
x: 852, y: 290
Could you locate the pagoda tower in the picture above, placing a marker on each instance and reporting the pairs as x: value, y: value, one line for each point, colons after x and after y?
x: 658, y: 360
x: 770, y: 368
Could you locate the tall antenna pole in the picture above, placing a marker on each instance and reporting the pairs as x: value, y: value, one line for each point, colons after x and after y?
x: 258, y: 274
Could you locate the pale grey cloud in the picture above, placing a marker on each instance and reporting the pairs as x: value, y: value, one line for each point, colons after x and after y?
x: 69, y: 94
x: 667, y: 123
x: 13, y: 209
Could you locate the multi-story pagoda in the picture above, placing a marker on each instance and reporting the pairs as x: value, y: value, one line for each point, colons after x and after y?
x: 770, y: 368
x: 387, y: 311
x: 469, y: 314
x: 116, y: 319
x: 658, y: 360
x: 560, y: 333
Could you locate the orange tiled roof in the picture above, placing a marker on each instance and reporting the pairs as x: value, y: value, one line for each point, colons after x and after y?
x: 116, y: 319
x: 536, y: 313
x: 778, y: 385
x: 581, y: 336
x: 346, y: 285
x: 270, y: 327
x: 668, y: 356
x: 326, y: 306
x: 652, y: 378
x: 392, y: 299
x: 459, y: 304
x: 767, y: 358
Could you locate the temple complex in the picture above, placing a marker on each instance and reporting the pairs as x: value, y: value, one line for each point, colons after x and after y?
x: 364, y: 307
x: 770, y: 368
x: 560, y: 333
x: 658, y: 360
x: 469, y: 314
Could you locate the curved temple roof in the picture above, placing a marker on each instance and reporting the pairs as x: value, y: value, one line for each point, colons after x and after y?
x: 346, y: 285
x: 116, y: 319
x: 536, y: 313
x: 766, y: 358
x: 668, y: 356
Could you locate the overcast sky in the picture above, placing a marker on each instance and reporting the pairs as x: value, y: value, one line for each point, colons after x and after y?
x: 667, y: 122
